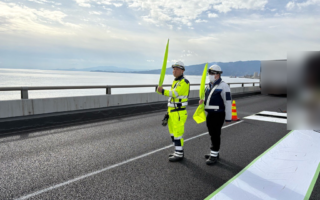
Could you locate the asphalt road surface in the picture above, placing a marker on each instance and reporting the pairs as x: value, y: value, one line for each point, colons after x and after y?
x: 127, y: 157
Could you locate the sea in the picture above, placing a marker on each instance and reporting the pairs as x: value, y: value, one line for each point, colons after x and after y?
x: 34, y: 77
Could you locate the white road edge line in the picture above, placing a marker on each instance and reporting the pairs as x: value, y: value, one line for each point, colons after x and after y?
x: 110, y: 167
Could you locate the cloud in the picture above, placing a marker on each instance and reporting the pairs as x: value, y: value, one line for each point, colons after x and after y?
x: 84, y: 3
x: 226, y: 6
x: 290, y: 5
x: 44, y: 2
x: 85, y: 31
x: 22, y: 18
x: 39, y: 1
x: 179, y: 11
x: 87, y: 3
x: 308, y: 3
x: 95, y: 13
x: 212, y: 15
x: 117, y: 4
x: 200, y: 21
x: 202, y: 40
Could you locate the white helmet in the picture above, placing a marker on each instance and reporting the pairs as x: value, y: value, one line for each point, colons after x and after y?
x: 215, y: 68
x: 179, y: 65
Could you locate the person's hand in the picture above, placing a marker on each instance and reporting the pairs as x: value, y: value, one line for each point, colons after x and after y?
x: 201, y: 101
x: 160, y: 89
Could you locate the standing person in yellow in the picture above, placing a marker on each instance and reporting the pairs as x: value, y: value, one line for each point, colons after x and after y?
x: 178, y: 100
x: 218, y: 105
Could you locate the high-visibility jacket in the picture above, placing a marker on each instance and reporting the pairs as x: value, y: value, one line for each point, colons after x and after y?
x: 178, y: 94
x: 218, y: 98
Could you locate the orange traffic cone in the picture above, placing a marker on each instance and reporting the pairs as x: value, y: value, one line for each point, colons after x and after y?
x: 234, y: 111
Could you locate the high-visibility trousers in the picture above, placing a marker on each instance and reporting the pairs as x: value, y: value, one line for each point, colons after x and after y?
x: 176, y: 123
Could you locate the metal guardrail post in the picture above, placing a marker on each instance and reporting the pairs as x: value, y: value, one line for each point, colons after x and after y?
x: 253, y: 84
x: 24, y: 93
x: 108, y: 90
x: 242, y: 84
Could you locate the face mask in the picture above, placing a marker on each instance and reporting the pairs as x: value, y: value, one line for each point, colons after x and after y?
x: 211, y: 78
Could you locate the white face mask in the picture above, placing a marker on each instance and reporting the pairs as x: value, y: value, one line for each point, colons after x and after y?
x: 211, y: 78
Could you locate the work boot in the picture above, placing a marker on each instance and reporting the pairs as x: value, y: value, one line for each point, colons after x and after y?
x: 211, y: 160
x: 208, y: 156
x: 171, y: 154
x: 176, y: 156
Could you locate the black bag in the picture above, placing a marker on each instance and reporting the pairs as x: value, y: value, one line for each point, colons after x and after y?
x: 165, y: 120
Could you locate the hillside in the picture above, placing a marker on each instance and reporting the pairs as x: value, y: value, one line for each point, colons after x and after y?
x: 239, y: 68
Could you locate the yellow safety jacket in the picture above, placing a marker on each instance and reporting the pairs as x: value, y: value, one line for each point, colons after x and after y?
x: 178, y: 95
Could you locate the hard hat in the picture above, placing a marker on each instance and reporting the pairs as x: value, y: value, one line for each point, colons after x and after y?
x: 215, y: 69
x: 179, y: 65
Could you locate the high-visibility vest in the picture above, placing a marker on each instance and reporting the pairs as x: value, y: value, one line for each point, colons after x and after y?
x: 178, y: 94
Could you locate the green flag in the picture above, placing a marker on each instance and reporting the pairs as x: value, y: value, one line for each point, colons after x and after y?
x: 200, y: 115
x: 164, y: 66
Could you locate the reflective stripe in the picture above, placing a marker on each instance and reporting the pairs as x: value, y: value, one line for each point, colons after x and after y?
x: 176, y: 93
x: 214, y: 153
x: 182, y: 97
x: 177, y: 104
x: 212, y: 107
x: 170, y: 93
x: 179, y: 152
x: 177, y: 155
x: 179, y: 148
x: 178, y: 138
x: 208, y: 100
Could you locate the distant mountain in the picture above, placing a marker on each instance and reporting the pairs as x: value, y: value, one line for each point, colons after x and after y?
x: 239, y: 68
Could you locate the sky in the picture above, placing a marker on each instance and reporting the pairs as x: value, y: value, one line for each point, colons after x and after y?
x: 48, y: 34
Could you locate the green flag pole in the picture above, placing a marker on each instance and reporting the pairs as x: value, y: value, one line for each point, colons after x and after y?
x: 164, y: 66
x: 203, y: 82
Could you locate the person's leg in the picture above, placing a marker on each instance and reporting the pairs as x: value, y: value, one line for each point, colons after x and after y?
x: 214, y: 123
x: 171, y: 127
x: 179, y: 119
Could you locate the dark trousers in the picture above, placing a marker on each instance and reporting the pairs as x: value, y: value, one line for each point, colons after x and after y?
x: 214, y: 123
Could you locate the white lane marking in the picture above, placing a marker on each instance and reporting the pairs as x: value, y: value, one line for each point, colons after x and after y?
x: 267, y: 119
x: 110, y: 167
x: 273, y: 113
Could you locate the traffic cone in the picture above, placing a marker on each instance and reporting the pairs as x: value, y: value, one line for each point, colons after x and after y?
x: 234, y: 111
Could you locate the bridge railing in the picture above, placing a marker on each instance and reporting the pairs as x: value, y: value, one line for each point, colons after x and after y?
x: 24, y: 89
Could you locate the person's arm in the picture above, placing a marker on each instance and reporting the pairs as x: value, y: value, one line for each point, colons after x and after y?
x: 203, y: 100
x: 179, y: 92
x: 226, y: 96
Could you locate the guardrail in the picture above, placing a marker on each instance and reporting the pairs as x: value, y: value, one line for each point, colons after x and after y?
x: 24, y: 90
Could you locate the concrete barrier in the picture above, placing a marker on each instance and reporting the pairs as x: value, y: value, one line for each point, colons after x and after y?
x: 33, y: 107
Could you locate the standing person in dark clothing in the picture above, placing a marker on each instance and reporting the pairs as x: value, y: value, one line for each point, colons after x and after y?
x: 218, y: 106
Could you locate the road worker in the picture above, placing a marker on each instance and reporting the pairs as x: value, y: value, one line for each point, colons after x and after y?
x: 178, y: 100
x: 218, y: 106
